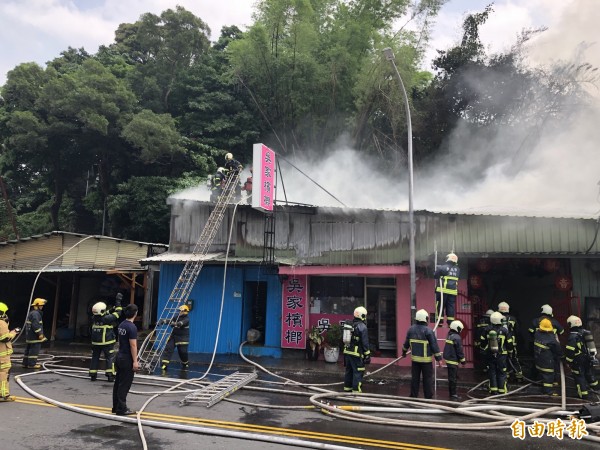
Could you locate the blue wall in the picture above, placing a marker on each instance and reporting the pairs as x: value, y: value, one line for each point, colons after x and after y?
x: 204, y: 316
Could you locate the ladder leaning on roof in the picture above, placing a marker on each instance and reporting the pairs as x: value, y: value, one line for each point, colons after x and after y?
x: 153, y: 347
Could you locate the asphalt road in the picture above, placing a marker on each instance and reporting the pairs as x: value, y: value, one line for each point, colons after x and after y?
x: 31, y: 423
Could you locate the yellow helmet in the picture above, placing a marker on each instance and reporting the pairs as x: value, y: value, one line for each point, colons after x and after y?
x: 3, y: 309
x: 39, y: 302
x: 229, y: 156
x: 546, y: 325
x: 184, y: 308
x: 360, y: 313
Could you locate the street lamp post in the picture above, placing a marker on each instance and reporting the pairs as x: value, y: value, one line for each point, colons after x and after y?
x: 389, y: 55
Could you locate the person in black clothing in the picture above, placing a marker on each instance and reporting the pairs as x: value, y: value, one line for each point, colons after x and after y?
x: 423, y: 345
x: 357, y: 353
x: 556, y: 327
x: 217, y: 182
x: 580, y: 358
x: 231, y: 164
x: 126, y: 362
x: 104, y: 337
x: 34, y: 334
x: 513, y: 327
x: 547, y: 355
x: 484, y: 322
x: 180, y: 338
x: 454, y: 355
x: 496, y: 342
x: 446, y: 287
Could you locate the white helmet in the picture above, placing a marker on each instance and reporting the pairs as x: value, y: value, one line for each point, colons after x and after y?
x: 99, y: 308
x: 452, y: 257
x: 489, y: 312
x: 221, y: 170
x: 547, y: 309
x: 574, y: 321
x: 496, y: 318
x: 229, y: 156
x: 503, y: 307
x: 457, y: 326
x: 422, y: 316
x: 360, y: 312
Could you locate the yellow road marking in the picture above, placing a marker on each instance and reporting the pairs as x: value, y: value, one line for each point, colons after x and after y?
x: 249, y: 427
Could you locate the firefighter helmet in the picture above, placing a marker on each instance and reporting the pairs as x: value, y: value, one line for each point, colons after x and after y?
x: 546, y: 325
x: 547, y: 309
x: 3, y: 309
x: 574, y: 321
x: 452, y: 257
x: 457, y: 326
x: 360, y: 313
x: 221, y: 170
x: 489, y: 312
x: 229, y: 156
x: 422, y: 316
x: 99, y: 308
x: 184, y: 308
x: 496, y: 318
x: 39, y: 302
x: 503, y: 307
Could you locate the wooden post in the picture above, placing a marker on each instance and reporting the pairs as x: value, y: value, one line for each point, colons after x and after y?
x: 55, y: 312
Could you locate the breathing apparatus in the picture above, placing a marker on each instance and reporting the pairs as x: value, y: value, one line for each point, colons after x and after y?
x: 590, y: 345
x: 493, y: 341
x: 347, y: 331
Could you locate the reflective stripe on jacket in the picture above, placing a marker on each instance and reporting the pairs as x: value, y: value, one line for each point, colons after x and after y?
x: 505, y: 342
x: 103, y: 327
x: 34, y: 327
x: 448, y: 275
x: 535, y: 324
x: 453, y: 350
x: 422, y: 343
x: 359, y: 344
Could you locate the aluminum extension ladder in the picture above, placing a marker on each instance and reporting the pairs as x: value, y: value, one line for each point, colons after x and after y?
x: 217, y: 391
x: 153, y: 347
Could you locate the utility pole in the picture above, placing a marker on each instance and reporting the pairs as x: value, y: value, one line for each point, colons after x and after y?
x: 389, y: 55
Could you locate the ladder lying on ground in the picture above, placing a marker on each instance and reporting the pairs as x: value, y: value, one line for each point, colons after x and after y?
x: 215, y: 392
x: 153, y: 347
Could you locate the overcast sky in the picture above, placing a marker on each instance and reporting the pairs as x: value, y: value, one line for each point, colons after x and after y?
x: 38, y: 30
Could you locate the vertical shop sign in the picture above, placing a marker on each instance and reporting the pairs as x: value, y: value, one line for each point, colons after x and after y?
x: 294, y: 312
x: 263, y: 182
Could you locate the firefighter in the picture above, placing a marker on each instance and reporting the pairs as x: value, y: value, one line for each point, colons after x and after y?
x: 423, y: 345
x: 232, y: 165
x: 357, y: 354
x: 34, y: 334
x: 6, y: 338
x: 556, y: 327
x: 216, y: 184
x: 180, y: 338
x: 104, y: 337
x: 547, y: 354
x: 454, y: 355
x: 512, y: 325
x: 446, y: 287
x: 484, y: 322
x: 580, y: 354
x: 497, y: 344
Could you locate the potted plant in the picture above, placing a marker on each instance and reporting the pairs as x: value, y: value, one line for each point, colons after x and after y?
x: 314, y: 339
x: 333, y: 339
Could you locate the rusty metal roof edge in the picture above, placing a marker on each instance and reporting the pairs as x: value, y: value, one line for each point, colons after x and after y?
x: 68, y: 233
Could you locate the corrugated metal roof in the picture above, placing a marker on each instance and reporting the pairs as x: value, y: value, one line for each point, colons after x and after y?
x: 338, y: 236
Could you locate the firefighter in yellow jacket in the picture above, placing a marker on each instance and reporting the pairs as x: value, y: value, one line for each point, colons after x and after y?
x: 6, y: 338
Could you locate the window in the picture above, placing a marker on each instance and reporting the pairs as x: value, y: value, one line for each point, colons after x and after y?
x: 336, y: 295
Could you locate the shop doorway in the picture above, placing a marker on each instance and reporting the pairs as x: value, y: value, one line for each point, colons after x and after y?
x: 255, y: 308
x: 381, y: 304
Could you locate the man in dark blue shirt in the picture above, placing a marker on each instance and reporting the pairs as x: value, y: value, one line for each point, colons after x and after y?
x: 126, y: 362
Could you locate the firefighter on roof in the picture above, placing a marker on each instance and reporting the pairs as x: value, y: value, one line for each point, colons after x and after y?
x: 357, y: 352
x: 446, y: 287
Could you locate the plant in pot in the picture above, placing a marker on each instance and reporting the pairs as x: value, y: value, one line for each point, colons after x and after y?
x: 314, y: 339
x: 333, y: 339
